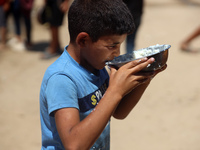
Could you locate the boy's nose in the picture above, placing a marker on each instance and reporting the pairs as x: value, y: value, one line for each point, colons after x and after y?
x: 117, y: 52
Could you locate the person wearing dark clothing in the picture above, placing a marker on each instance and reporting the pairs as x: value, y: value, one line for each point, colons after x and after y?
x: 56, y: 10
x: 136, y: 8
x: 4, y: 6
x: 21, y: 9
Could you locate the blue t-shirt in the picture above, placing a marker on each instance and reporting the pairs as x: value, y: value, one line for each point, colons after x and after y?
x: 67, y: 84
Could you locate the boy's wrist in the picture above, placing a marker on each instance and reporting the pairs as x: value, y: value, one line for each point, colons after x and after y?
x: 114, y: 94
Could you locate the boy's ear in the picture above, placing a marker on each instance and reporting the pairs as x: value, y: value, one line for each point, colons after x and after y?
x: 82, y: 39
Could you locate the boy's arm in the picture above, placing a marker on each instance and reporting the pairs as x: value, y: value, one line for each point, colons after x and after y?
x: 130, y: 100
x: 76, y: 134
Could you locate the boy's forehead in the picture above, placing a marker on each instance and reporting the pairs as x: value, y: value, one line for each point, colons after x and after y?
x: 113, y: 39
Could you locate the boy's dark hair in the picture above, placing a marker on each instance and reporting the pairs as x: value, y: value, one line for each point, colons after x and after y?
x: 99, y: 18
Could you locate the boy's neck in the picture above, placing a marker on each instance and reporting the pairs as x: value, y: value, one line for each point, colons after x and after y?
x: 74, y: 52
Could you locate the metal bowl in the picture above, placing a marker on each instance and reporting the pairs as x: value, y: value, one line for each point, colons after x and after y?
x: 158, y: 52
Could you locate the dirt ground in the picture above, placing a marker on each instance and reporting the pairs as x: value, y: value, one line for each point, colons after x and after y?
x: 166, y: 118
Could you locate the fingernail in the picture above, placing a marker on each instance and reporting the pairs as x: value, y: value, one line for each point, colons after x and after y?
x: 152, y: 59
x: 145, y: 58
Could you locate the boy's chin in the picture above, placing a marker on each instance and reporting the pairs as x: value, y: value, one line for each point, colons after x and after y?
x: 100, y: 67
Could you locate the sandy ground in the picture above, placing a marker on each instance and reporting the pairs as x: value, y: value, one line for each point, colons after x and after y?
x: 166, y: 118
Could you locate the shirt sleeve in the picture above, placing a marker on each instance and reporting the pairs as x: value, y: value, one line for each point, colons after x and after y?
x: 61, y: 92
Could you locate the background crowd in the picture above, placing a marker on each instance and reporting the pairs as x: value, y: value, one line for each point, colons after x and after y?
x: 51, y: 12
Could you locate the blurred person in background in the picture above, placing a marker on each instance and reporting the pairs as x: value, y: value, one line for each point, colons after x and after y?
x: 136, y: 8
x: 26, y: 9
x: 56, y: 10
x: 21, y: 9
x: 4, y: 6
x: 185, y: 45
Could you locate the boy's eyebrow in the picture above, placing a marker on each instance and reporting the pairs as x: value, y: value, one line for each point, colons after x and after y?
x: 115, y: 43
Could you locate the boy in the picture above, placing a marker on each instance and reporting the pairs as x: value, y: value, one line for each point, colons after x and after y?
x: 77, y: 96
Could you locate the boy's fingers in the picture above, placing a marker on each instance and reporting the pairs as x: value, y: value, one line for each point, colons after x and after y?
x: 139, y: 61
x: 112, y: 69
x: 138, y: 66
x: 135, y: 62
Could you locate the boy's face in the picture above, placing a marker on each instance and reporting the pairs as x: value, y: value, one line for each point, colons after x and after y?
x: 96, y: 54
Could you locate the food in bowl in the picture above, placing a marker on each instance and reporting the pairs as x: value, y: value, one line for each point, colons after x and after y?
x: 159, y: 52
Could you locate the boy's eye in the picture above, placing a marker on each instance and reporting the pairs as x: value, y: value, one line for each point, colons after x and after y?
x: 111, y: 47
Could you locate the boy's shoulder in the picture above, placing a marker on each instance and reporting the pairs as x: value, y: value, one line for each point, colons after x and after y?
x: 62, y: 66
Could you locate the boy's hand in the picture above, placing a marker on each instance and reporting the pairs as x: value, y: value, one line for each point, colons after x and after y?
x: 127, y: 77
x: 135, y: 92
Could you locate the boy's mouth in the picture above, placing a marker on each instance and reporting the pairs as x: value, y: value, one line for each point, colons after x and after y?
x: 109, y: 59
